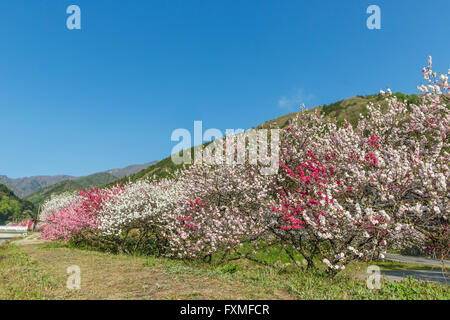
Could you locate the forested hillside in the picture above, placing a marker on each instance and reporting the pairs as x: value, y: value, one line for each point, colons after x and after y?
x: 347, y: 109
x: 12, y: 208
x: 98, y: 179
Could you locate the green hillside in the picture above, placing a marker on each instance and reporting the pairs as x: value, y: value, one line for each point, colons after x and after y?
x: 100, y: 179
x: 349, y: 109
x: 12, y: 208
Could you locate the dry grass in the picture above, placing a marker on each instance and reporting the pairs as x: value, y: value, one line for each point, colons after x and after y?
x: 106, y: 276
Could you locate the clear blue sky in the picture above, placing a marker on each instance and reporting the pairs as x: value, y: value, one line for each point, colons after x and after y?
x: 109, y: 95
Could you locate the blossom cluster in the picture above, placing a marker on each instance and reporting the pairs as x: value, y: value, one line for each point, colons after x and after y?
x: 352, y: 192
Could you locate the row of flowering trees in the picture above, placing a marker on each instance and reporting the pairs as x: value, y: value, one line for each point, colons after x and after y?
x: 342, y: 193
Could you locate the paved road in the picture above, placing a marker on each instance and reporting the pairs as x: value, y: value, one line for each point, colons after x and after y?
x: 416, y: 260
x: 425, y: 275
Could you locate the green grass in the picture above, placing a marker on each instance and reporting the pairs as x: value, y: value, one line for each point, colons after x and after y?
x: 23, y: 277
x: 310, y: 284
x: 306, y: 284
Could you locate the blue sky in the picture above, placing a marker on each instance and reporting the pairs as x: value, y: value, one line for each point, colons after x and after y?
x: 109, y: 95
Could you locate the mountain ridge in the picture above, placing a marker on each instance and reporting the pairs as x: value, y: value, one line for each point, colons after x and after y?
x: 26, y: 186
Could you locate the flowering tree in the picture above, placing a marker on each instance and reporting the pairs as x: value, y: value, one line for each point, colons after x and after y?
x: 143, y: 207
x: 202, y: 210
x: 220, y: 208
x: 56, y: 203
x: 329, y: 199
x: 428, y: 205
x: 342, y: 193
x: 70, y: 220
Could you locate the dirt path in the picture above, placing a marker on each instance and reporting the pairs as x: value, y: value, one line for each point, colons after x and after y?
x: 31, y: 239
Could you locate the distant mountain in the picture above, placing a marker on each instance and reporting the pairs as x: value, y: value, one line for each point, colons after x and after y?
x: 24, y: 187
x: 12, y: 208
x: 124, y: 172
x: 97, y: 179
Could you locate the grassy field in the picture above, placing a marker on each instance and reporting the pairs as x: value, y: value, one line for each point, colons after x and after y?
x: 38, y: 271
